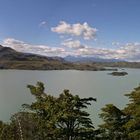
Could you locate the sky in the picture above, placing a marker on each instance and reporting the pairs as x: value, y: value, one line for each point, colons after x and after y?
x: 107, y: 29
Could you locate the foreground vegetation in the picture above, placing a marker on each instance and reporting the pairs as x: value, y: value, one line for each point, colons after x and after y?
x: 65, y: 118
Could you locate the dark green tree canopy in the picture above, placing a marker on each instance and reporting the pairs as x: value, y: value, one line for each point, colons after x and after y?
x: 122, y: 124
x: 114, y: 119
x: 133, y: 111
x: 64, y: 116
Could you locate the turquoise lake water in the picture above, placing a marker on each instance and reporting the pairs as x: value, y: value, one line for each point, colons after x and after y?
x: 97, y: 84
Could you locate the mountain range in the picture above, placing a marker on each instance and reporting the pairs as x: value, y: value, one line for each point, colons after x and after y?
x: 82, y: 59
x: 11, y: 59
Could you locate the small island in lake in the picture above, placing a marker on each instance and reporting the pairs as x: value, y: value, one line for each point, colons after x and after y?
x: 116, y: 73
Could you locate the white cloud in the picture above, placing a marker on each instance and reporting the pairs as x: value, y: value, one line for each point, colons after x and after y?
x: 83, y: 30
x: 73, y: 44
x: 43, y: 23
x: 129, y: 51
x: 37, y: 49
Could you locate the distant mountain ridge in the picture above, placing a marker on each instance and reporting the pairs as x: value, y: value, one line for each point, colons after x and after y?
x: 7, y: 53
x: 12, y: 59
x: 70, y: 58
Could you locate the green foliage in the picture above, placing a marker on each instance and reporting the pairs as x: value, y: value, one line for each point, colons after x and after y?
x: 64, y: 117
x: 73, y: 120
x: 122, y: 124
x: 114, y: 120
x: 10, y: 132
x: 2, y: 125
x: 133, y: 111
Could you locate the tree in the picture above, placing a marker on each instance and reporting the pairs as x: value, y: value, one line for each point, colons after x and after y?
x: 22, y: 126
x: 133, y: 112
x: 63, y: 118
x: 3, y: 129
x: 9, y: 132
x: 2, y: 126
x: 73, y: 120
x: 114, y: 119
x: 44, y: 109
x: 50, y: 118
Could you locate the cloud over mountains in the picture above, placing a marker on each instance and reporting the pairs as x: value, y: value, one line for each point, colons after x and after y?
x: 29, y: 48
x: 129, y: 51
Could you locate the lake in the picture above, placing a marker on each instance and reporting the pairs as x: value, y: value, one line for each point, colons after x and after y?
x: 97, y: 84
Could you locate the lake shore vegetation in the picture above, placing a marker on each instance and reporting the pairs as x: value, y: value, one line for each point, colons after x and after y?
x: 65, y: 118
